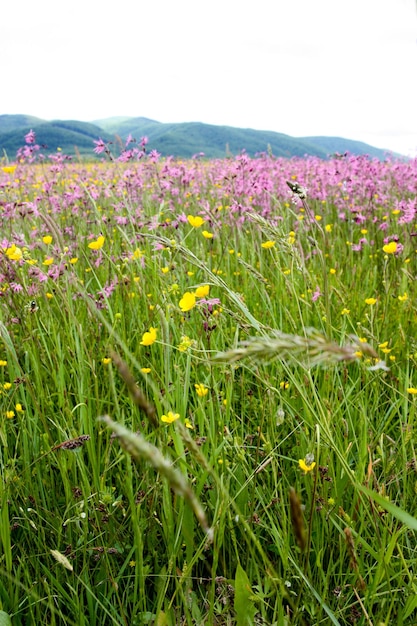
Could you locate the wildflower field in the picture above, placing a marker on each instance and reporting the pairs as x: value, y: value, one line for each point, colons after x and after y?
x: 208, y: 391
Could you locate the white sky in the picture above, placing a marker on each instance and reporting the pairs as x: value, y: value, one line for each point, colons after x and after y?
x: 301, y: 67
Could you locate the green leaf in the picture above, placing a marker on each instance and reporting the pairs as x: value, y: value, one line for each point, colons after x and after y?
x: 404, y: 517
x: 244, y: 607
x: 5, y: 619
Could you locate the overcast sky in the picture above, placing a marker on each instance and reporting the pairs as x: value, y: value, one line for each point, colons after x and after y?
x: 301, y: 67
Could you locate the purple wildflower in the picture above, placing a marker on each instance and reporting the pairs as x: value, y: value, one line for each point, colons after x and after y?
x: 316, y: 294
x: 30, y: 137
x: 101, y: 146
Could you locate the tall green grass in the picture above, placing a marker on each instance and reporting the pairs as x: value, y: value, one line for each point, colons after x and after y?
x: 210, y: 519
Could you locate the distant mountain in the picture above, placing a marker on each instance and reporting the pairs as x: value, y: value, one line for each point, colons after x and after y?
x: 179, y: 140
x: 9, y: 123
x: 189, y: 138
x: 68, y: 135
x: 339, y: 145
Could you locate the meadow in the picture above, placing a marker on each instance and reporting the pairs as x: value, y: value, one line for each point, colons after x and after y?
x: 208, y: 390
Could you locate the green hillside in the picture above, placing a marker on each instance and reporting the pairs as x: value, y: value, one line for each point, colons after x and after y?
x: 189, y: 138
x: 179, y: 140
x: 69, y: 135
x: 10, y: 123
x: 186, y: 139
x: 337, y: 144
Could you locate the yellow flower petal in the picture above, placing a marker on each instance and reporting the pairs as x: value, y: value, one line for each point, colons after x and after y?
x: 306, y: 468
x: 170, y: 417
x: 149, y: 337
x: 202, y: 292
x: 187, y: 302
x: 97, y: 244
x: 195, y: 220
x: 390, y: 248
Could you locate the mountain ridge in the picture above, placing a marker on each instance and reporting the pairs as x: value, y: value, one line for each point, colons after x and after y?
x: 182, y: 140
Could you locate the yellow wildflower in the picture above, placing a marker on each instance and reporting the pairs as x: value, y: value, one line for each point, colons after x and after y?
x: 97, y: 244
x: 207, y: 235
x: 267, y: 244
x: 47, y: 239
x: 370, y: 301
x: 14, y: 253
x: 201, y: 390
x: 305, y: 466
x: 390, y: 248
x: 202, y: 292
x: 185, y: 343
x: 138, y: 254
x: 187, y: 302
x: 195, y: 220
x: 149, y: 337
x: 170, y: 417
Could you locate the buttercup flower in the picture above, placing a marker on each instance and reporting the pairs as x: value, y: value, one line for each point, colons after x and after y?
x: 14, y: 253
x: 201, y: 390
x: 97, y: 244
x: 307, y: 465
x: 370, y: 301
x: 267, y: 244
x: 170, y: 417
x: 390, y: 248
x: 202, y: 292
x: 187, y: 302
x: 195, y: 220
x: 9, y: 169
x: 149, y: 337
